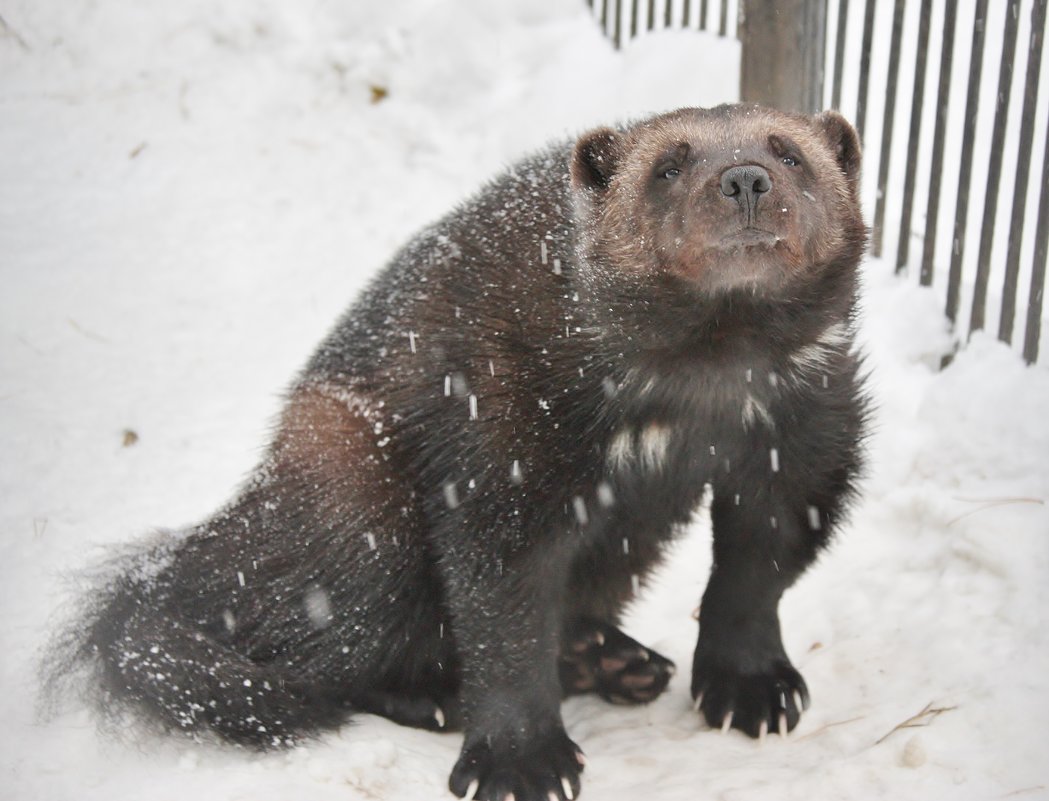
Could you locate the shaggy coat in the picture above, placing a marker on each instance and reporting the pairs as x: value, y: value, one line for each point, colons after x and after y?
x: 478, y: 467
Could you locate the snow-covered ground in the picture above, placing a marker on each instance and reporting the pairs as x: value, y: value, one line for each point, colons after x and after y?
x: 191, y: 192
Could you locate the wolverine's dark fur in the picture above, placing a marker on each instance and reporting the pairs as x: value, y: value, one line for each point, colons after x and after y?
x: 487, y: 454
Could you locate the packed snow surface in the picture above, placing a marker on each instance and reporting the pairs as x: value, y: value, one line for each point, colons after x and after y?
x: 191, y: 192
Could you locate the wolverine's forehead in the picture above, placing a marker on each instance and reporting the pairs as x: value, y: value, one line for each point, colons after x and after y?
x: 719, y: 128
x: 725, y: 134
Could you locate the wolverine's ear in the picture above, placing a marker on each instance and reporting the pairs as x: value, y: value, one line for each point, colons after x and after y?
x: 595, y: 159
x: 843, y: 141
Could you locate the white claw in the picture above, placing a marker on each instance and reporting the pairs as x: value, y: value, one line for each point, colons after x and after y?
x: 783, y: 724
x: 509, y: 797
x: 438, y: 715
x: 551, y: 796
x: 471, y: 790
x: 799, y: 701
x: 698, y: 703
x: 567, y: 787
x: 599, y: 639
x: 763, y: 730
x: 726, y: 723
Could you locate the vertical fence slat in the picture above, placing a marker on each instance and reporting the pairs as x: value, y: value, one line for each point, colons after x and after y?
x: 1038, y: 266
x: 994, y: 168
x: 961, y: 209
x: 783, y: 47
x: 686, y: 12
x: 943, y: 93
x: 703, y: 15
x: 903, y: 244
x: 888, y: 125
x: 865, y: 69
x: 839, y: 52
x: 1023, y: 172
x: 723, y: 23
x: 818, y: 58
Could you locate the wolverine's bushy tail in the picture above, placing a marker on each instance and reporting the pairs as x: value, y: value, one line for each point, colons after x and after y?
x: 128, y: 648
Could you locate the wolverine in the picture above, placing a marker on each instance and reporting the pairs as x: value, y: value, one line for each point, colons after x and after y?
x: 478, y: 467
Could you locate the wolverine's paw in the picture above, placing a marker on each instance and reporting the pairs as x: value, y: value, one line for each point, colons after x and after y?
x: 597, y: 657
x: 756, y: 703
x: 545, y: 769
x: 415, y: 711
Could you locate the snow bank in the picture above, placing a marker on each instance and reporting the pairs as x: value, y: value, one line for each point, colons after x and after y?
x: 191, y: 192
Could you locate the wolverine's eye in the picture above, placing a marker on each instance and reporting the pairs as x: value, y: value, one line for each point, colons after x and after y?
x: 668, y: 166
x: 785, y: 150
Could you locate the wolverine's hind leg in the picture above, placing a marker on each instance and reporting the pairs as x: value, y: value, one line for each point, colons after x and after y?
x: 595, y: 655
x: 372, y: 613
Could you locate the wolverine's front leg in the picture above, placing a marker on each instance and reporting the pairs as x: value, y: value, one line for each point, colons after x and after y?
x: 741, y: 676
x: 505, y: 594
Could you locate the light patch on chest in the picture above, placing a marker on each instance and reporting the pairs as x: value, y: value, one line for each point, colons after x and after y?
x: 621, y: 450
x: 653, y: 446
x: 818, y: 355
x: 754, y: 411
x: 646, y: 449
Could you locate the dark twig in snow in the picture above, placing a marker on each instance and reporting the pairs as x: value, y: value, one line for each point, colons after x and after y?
x: 990, y: 503
x: 826, y: 726
x: 89, y: 334
x: 13, y: 34
x: 1023, y: 790
x: 919, y: 721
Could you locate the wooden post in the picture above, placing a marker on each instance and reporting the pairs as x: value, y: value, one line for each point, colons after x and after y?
x: 784, y: 42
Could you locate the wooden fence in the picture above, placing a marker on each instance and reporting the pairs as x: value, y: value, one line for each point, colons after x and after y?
x: 624, y: 20
x: 980, y: 143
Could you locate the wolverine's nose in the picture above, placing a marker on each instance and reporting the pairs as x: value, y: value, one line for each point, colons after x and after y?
x: 745, y: 183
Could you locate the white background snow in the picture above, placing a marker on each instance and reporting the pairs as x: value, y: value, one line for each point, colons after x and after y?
x: 191, y: 192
